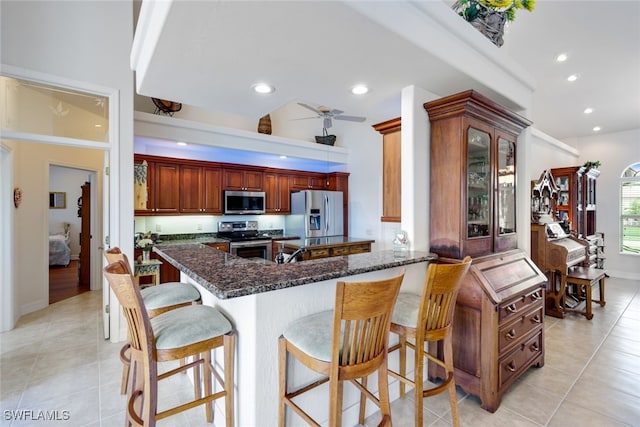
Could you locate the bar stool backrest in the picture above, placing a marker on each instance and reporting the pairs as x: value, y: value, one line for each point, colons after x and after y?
x: 115, y: 254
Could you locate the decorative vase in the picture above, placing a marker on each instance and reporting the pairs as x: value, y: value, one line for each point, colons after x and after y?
x: 146, y: 256
x: 264, y: 125
x: 491, y: 24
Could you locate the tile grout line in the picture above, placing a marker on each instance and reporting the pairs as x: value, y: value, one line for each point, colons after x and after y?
x: 606, y: 335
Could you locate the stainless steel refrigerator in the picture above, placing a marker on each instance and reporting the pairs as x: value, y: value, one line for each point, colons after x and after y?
x: 315, y: 213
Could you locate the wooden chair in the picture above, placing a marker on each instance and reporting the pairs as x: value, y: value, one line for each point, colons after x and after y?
x: 186, y: 332
x: 157, y: 300
x: 347, y: 343
x: 428, y: 318
x: 584, y: 278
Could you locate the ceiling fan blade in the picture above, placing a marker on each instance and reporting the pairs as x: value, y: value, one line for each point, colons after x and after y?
x: 335, y: 112
x: 351, y: 118
x: 310, y: 108
x: 305, y: 118
x: 327, y: 123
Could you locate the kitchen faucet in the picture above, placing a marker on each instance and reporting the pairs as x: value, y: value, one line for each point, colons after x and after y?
x: 280, y: 257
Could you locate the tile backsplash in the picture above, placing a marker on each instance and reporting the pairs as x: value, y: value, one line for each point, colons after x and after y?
x: 185, y: 224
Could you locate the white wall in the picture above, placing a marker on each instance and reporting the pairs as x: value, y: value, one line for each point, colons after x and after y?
x: 31, y: 173
x: 616, y: 151
x: 79, y: 42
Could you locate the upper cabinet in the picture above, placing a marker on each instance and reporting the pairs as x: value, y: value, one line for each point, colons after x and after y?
x: 200, y: 189
x: 391, y: 169
x: 168, y: 186
x: 278, y: 193
x: 309, y: 181
x: 160, y: 181
x: 473, y: 138
x: 242, y: 179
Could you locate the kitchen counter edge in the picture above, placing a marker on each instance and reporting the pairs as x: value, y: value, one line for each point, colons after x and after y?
x: 228, y: 276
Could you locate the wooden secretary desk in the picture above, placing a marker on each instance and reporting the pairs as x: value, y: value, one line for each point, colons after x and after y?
x: 498, y: 330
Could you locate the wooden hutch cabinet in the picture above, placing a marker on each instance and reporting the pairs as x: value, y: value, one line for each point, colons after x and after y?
x: 577, y: 198
x: 391, y: 169
x: 498, y: 328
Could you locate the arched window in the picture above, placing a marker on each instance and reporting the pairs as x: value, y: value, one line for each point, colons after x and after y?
x: 630, y: 210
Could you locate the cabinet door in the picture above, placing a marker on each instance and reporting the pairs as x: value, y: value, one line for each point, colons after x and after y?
x: 166, y: 194
x: 278, y: 198
x: 211, y: 190
x: 144, y: 188
x: 309, y: 181
x: 505, y: 225
x: 479, y: 201
x: 190, y: 189
x: 242, y: 180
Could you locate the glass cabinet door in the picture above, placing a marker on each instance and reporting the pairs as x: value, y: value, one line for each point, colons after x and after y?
x: 478, y: 183
x: 506, y: 186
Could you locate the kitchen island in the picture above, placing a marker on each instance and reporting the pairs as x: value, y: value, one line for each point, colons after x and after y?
x: 261, y: 299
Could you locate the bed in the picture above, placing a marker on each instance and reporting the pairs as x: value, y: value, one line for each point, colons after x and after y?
x: 59, y: 250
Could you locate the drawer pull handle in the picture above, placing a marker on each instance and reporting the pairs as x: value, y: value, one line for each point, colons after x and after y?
x: 511, y: 367
x: 536, y: 319
x: 536, y: 296
x: 511, y: 334
x: 534, y: 347
x: 511, y: 308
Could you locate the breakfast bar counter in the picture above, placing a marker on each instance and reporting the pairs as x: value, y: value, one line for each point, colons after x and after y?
x: 262, y: 298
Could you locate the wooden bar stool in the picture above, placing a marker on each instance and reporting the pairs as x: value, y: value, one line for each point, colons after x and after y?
x: 429, y: 318
x: 186, y: 332
x: 157, y: 300
x: 346, y: 343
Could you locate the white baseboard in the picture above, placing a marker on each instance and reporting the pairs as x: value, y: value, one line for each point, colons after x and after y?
x: 33, y: 306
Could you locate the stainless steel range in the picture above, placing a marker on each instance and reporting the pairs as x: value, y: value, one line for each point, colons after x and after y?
x: 244, y: 239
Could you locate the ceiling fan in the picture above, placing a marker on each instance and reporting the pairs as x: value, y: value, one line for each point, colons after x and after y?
x: 327, y: 114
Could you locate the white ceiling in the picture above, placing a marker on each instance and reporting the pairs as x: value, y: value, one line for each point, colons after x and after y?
x: 209, y: 53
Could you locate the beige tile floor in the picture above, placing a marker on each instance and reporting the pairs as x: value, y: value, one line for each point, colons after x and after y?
x: 56, y: 360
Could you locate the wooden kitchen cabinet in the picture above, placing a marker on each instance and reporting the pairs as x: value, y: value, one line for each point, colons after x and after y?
x: 498, y: 330
x: 278, y: 193
x: 242, y: 180
x: 224, y: 247
x: 309, y: 181
x: 163, y: 194
x: 200, y: 190
x: 391, y: 169
x: 339, y: 181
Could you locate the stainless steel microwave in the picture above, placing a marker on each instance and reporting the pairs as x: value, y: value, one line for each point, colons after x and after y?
x: 244, y: 202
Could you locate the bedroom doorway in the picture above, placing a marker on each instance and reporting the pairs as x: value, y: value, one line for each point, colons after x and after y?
x: 71, y: 227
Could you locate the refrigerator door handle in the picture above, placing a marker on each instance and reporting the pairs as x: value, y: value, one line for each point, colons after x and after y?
x: 326, y: 214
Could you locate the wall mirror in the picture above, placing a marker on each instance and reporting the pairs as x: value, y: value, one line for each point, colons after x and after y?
x: 57, y: 200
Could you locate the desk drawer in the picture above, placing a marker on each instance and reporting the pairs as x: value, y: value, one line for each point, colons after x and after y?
x: 520, y: 304
x: 511, y: 332
x: 519, y: 359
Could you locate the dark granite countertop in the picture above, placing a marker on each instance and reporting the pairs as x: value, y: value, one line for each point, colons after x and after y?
x: 228, y: 276
x: 318, y: 242
x: 205, y: 238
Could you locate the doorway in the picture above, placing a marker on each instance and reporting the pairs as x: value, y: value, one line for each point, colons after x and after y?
x: 71, y: 227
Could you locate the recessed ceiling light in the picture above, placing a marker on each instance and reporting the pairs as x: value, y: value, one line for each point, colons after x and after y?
x: 97, y: 126
x: 359, y: 89
x: 182, y: 144
x: 597, y: 129
x: 263, y: 88
x: 573, y: 77
x: 562, y: 57
x: 283, y: 157
x: 588, y: 110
